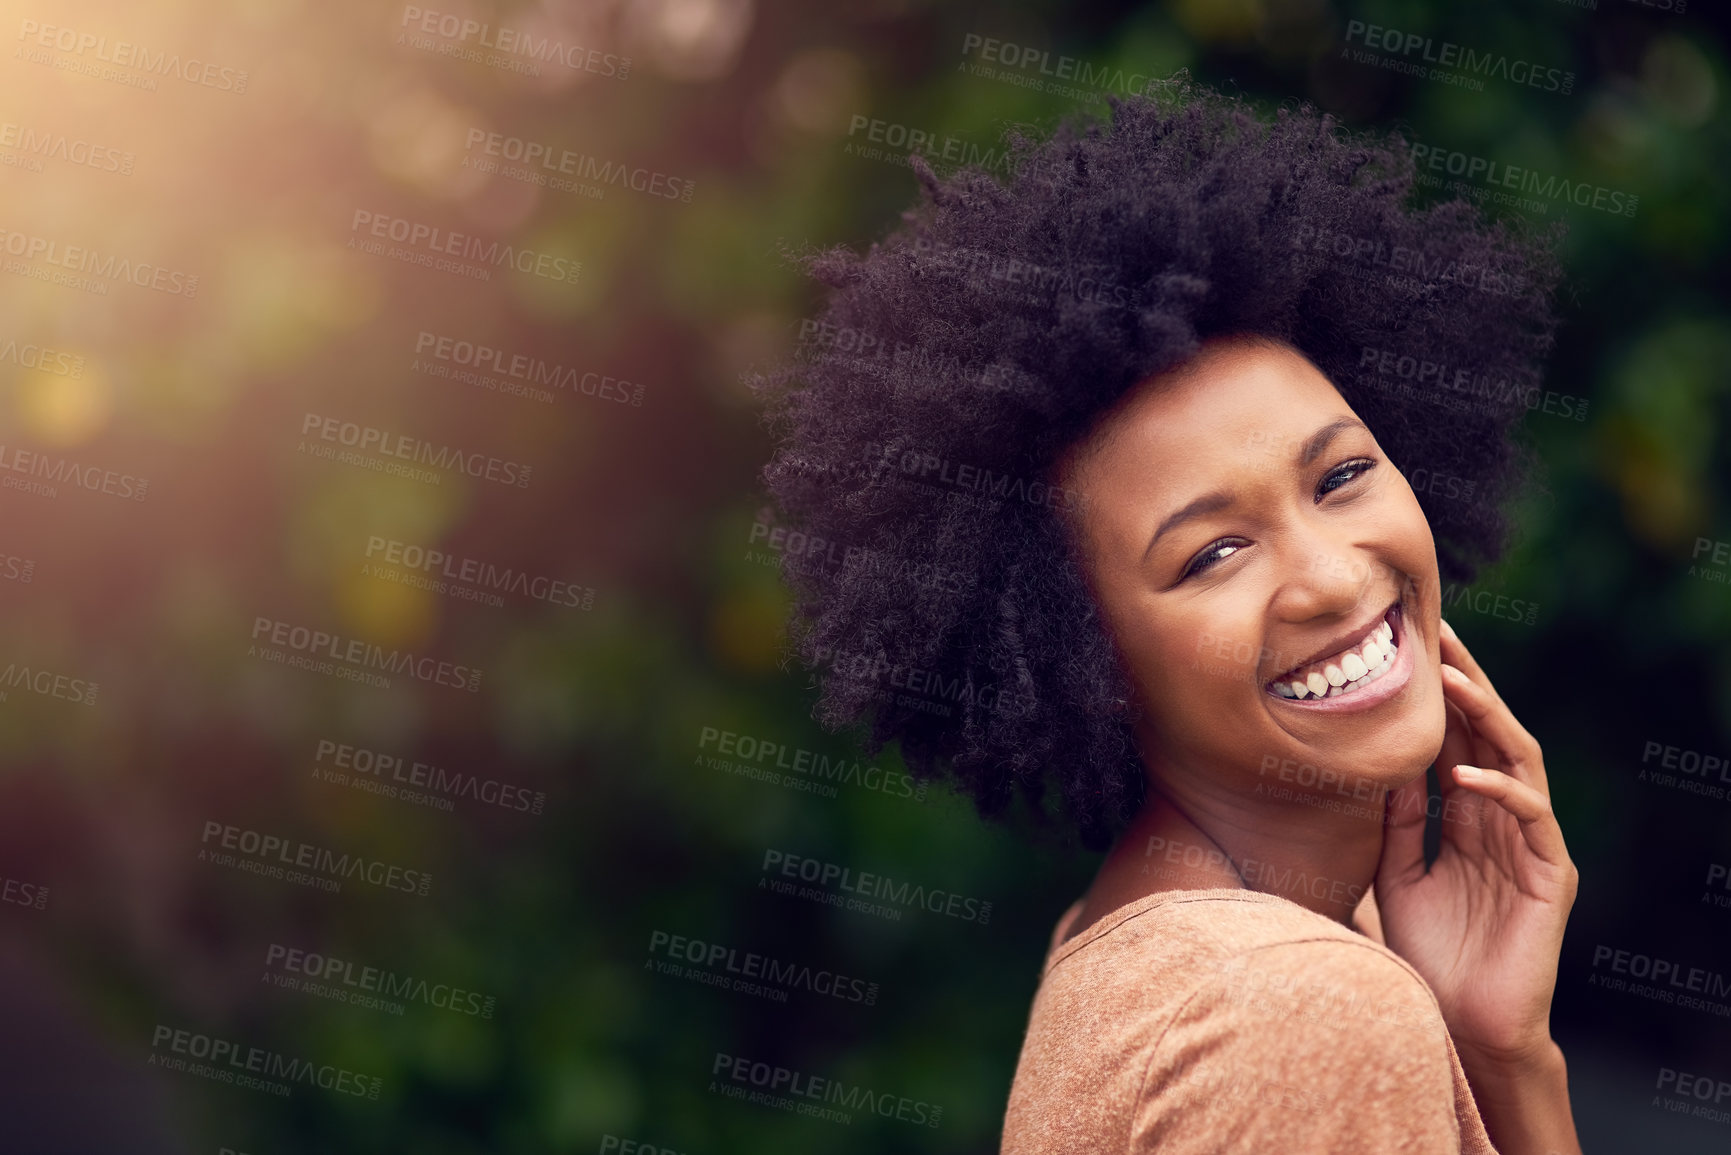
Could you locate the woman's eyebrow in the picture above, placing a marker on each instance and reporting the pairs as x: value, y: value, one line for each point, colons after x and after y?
x: 1207, y: 503
x: 1218, y: 500
x: 1319, y: 440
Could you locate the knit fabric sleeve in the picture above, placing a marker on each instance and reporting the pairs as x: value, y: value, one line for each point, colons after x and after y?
x: 1318, y: 1047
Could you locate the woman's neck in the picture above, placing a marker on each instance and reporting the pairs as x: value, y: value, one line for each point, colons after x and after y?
x: 1173, y: 845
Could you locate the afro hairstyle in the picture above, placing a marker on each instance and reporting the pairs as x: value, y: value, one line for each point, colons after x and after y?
x: 938, y: 596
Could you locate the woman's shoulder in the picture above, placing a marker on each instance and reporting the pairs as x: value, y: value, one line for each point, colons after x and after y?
x: 1221, y: 949
x: 1199, y: 922
x: 1209, y: 1013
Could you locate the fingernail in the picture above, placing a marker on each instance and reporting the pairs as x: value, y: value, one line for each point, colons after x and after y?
x: 1467, y: 772
x: 1447, y: 629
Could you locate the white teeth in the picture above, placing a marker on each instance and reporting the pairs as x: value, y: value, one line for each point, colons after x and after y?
x: 1359, y: 667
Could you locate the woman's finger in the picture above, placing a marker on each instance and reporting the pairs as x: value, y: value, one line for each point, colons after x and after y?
x: 1458, y: 747
x: 1403, y: 839
x: 1530, y: 808
x: 1517, y: 750
x: 1455, y: 653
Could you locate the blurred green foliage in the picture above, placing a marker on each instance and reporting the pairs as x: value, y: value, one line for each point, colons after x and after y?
x: 605, y: 710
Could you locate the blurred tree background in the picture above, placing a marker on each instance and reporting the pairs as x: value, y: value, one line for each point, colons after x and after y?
x: 791, y: 122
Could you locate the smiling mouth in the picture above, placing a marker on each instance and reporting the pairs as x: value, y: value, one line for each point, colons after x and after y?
x: 1347, y: 672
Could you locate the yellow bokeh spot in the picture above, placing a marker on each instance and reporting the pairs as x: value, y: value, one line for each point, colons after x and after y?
x: 421, y: 138
x: 1210, y: 20
x: 286, y: 294
x: 1663, y: 502
x: 384, y: 611
x: 63, y: 410
x: 746, y: 627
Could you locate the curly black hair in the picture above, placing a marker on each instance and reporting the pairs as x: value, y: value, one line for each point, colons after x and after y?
x: 938, y: 593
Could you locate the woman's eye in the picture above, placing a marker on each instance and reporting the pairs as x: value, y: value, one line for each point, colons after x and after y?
x: 1345, y: 473
x: 1209, y: 557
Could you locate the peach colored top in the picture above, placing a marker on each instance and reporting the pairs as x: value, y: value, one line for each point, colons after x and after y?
x: 1208, y: 1022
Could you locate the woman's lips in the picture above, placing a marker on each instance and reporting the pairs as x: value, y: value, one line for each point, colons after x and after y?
x: 1390, y: 683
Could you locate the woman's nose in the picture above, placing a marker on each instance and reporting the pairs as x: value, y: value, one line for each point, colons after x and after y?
x: 1329, y: 577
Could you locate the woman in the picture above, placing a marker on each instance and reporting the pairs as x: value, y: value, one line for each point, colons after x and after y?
x: 1118, y: 458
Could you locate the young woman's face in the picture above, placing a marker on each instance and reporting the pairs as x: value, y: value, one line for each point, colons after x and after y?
x: 1243, y: 531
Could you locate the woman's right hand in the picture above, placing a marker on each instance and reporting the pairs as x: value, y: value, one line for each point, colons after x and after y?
x: 1484, y: 924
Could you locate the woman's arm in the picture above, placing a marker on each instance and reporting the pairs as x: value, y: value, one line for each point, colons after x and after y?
x: 1484, y: 923
x: 1319, y: 1046
x: 1524, y: 1104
